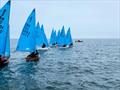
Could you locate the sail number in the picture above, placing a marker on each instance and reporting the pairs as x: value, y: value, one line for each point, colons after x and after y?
x: 1, y: 27
x: 26, y: 32
x: 1, y: 20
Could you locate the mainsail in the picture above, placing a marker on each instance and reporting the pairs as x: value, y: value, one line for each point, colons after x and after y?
x: 68, y: 37
x: 39, y: 36
x: 52, y: 37
x: 4, y: 30
x: 62, y: 37
x: 55, y: 37
x: 58, y: 38
x: 7, y: 48
x: 27, y: 38
x: 45, y: 41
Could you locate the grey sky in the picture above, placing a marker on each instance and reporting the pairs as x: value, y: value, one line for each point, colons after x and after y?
x: 87, y: 18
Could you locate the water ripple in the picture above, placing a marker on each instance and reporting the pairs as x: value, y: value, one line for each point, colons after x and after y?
x: 90, y: 65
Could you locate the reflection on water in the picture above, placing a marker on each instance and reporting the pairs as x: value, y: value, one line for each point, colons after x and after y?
x: 90, y: 65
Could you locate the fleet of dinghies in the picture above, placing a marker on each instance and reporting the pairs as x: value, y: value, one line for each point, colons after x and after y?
x: 32, y: 38
x: 61, y: 40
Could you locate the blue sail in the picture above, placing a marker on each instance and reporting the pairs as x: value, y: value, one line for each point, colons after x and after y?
x: 55, y: 38
x: 39, y: 37
x: 58, y: 37
x: 4, y: 22
x: 68, y: 37
x: 27, y: 38
x: 62, y: 37
x: 44, y: 36
x: 7, y: 48
x: 52, y: 37
x: 71, y: 41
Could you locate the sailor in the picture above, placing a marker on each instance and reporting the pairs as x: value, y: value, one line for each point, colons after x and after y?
x: 3, y: 60
x: 64, y: 45
x: 33, y: 54
x: 53, y: 44
x: 43, y: 46
x: 71, y: 44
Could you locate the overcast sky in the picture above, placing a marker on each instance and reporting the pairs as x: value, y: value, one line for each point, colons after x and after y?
x: 87, y: 18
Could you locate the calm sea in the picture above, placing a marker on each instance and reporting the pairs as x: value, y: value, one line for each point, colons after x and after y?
x: 89, y: 65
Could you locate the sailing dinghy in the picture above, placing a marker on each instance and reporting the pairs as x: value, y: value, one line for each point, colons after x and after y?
x: 27, y: 40
x: 58, y: 38
x: 69, y: 41
x: 62, y: 39
x: 41, y: 39
x: 53, y: 39
x: 4, y: 34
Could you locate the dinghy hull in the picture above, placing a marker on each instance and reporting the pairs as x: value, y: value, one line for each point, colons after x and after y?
x: 35, y: 58
x: 63, y: 47
x: 42, y: 49
x: 4, y: 62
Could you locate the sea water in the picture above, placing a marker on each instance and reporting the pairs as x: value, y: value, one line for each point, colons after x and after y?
x: 89, y: 65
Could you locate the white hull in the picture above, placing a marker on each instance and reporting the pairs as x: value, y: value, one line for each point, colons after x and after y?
x: 63, y: 47
x: 42, y: 49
